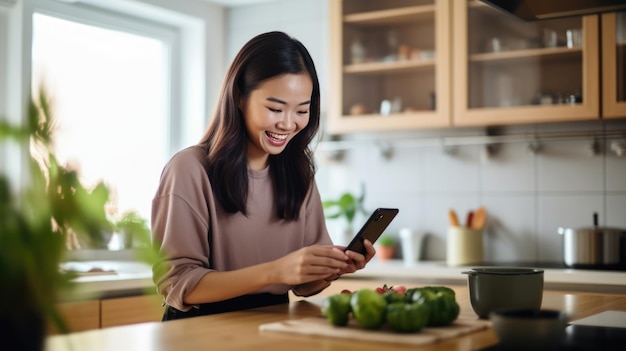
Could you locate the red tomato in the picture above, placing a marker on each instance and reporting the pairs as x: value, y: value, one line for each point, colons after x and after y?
x: 400, y: 289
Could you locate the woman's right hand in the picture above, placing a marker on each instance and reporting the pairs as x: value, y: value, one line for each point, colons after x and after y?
x: 310, y: 263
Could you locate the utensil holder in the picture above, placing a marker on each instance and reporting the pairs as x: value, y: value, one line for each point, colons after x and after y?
x: 464, y: 247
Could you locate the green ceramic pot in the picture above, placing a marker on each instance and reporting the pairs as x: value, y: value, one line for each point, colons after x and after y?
x: 495, y: 288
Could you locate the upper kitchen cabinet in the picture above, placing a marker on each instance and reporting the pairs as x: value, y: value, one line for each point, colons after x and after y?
x: 509, y: 71
x: 614, y: 65
x: 390, y: 65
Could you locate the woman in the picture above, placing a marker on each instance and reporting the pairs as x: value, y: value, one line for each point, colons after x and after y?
x: 239, y: 216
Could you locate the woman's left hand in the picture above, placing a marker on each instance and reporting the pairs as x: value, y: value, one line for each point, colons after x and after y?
x: 357, y: 260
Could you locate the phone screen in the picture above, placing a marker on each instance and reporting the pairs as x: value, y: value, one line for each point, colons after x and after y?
x: 372, y: 229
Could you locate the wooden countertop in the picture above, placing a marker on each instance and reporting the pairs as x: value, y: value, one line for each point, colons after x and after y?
x: 240, y: 330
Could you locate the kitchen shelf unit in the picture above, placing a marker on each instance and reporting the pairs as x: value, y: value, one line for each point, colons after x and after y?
x: 470, y: 79
x: 505, y: 73
x: 614, y: 65
x: 406, y: 64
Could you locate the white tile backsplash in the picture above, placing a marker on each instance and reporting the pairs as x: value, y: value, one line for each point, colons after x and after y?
x: 511, y: 233
x: 615, y: 171
x: 527, y: 196
x: 446, y: 173
x: 511, y: 169
x: 615, y: 209
x: 570, y: 166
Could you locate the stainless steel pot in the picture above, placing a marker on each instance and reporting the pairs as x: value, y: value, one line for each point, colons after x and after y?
x: 594, y: 247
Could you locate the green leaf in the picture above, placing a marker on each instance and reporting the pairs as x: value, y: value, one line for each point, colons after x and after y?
x: 346, y: 206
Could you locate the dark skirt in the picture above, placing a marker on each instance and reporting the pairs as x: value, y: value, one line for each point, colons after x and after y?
x: 235, y: 304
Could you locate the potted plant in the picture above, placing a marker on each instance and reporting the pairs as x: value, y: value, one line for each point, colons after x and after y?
x: 385, y: 247
x: 346, y: 207
x: 35, y: 225
x: 133, y: 229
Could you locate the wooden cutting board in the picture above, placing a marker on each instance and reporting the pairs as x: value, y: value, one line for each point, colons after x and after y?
x: 319, y: 326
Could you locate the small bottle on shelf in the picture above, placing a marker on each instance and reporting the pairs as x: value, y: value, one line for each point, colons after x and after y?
x: 358, y: 51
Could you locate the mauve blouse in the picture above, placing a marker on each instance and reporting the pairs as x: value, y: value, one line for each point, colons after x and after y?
x: 185, y: 215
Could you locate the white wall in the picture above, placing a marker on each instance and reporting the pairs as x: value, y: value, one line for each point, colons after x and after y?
x: 528, y: 196
x: 306, y: 20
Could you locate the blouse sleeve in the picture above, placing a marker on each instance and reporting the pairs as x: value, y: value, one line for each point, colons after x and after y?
x: 317, y: 233
x: 180, y: 226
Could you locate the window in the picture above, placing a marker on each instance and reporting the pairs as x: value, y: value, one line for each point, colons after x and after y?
x: 115, y: 83
x: 191, y: 37
x: 111, y: 103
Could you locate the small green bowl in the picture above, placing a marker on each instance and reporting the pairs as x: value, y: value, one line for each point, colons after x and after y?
x: 496, y: 288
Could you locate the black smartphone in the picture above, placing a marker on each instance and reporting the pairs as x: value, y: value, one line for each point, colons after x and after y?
x: 372, y: 229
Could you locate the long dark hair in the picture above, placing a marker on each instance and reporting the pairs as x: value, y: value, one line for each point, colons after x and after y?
x: 263, y: 57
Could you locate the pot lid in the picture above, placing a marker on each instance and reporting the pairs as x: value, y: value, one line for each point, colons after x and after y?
x: 596, y: 229
x: 505, y: 270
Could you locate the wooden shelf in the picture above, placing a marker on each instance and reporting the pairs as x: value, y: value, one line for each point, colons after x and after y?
x: 391, y: 16
x: 418, y: 119
x: 390, y: 67
x: 526, y: 54
x: 476, y: 3
x: 391, y: 116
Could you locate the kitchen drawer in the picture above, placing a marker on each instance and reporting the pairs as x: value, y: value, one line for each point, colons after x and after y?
x: 129, y: 310
x: 79, y: 315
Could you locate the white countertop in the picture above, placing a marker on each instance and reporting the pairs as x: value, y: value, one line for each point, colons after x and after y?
x: 132, y: 278
x: 118, y: 278
x: 438, y: 271
x: 115, y: 285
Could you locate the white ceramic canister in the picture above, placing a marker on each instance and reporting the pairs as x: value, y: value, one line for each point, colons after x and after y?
x: 411, y: 242
x: 464, y: 247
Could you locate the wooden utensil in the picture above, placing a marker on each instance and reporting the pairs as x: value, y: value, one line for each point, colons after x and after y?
x: 454, y: 220
x: 479, y: 218
x: 469, y: 220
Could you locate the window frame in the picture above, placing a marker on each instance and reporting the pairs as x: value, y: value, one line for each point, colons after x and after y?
x: 197, y: 58
x: 195, y: 27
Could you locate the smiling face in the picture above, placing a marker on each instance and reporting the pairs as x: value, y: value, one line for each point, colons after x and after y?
x: 275, y: 112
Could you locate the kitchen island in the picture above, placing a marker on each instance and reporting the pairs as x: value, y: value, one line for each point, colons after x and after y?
x: 240, y: 330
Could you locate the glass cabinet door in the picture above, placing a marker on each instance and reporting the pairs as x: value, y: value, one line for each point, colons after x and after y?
x: 614, y: 64
x: 511, y: 71
x: 389, y: 65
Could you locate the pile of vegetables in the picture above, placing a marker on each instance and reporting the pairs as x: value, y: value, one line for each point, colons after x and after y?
x: 398, y: 308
